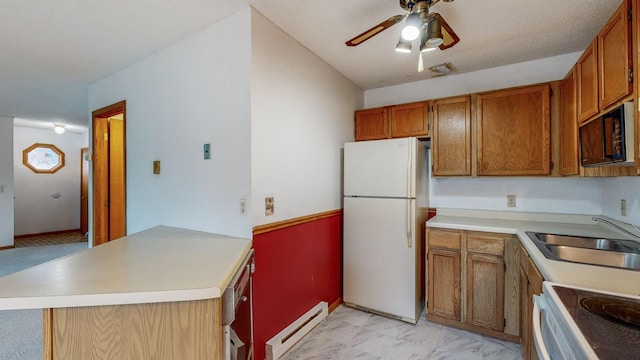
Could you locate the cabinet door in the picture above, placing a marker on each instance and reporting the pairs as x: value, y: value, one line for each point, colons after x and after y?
x: 587, y: 73
x: 614, y: 57
x: 444, y: 284
x: 568, y: 126
x: 451, y: 137
x: 409, y: 120
x: 485, y: 291
x: 372, y: 124
x: 513, y: 132
x: 525, y: 325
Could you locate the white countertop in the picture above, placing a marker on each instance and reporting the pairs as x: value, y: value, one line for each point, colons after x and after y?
x: 160, y: 264
x: 590, y: 276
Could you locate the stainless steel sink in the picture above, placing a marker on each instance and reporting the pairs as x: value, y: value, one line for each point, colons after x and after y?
x: 619, y: 253
x: 587, y: 242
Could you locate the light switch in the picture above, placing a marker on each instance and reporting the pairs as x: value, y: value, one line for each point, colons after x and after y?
x: 268, y: 206
x: 1, y: 188
x: 207, y: 151
x: 156, y: 167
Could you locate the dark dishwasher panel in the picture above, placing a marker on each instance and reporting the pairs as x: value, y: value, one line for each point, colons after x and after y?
x: 237, y: 314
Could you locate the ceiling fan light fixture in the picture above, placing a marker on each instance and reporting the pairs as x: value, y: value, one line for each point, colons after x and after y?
x: 412, y: 26
x: 403, y: 46
x: 434, y: 33
x: 423, y: 43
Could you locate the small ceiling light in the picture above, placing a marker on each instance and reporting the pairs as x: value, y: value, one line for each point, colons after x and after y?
x: 412, y: 26
x: 403, y: 46
x: 423, y: 43
x: 434, y: 33
x: 59, y: 128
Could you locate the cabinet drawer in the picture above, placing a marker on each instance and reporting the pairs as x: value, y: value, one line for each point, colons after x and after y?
x: 444, y: 239
x: 485, y: 244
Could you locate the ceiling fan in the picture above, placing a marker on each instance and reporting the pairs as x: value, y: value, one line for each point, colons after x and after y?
x: 433, y: 30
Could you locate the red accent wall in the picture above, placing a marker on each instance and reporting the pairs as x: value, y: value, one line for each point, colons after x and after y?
x: 296, y: 268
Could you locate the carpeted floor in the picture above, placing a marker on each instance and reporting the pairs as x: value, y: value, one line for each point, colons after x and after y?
x: 21, y: 330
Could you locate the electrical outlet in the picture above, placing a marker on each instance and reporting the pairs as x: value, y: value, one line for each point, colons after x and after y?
x: 268, y: 206
x: 623, y: 207
x: 206, y: 150
x: 511, y: 201
x: 243, y: 206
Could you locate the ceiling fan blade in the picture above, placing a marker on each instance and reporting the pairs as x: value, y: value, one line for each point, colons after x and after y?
x: 449, y: 37
x: 375, y: 30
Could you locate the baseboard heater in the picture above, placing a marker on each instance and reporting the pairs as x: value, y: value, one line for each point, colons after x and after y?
x: 285, y: 339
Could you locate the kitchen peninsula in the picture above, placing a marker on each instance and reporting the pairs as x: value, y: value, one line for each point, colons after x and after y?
x: 151, y: 295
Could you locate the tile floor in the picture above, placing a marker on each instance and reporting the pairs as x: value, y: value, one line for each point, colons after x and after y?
x: 67, y: 237
x: 348, y: 333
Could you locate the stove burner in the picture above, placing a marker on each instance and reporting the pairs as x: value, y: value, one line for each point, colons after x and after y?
x: 621, y: 312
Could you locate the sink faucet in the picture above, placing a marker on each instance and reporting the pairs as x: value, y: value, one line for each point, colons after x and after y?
x: 634, y: 236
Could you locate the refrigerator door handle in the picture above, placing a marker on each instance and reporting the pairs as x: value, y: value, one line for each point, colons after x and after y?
x: 409, y: 227
x: 409, y: 169
x: 409, y: 194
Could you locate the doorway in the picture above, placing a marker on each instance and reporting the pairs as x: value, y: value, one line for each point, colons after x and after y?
x: 84, y: 190
x: 109, y: 176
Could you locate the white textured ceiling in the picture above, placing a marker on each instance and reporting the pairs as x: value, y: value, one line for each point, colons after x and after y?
x: 52, y: 50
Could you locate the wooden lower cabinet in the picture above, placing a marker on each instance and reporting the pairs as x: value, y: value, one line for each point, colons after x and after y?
x: 530, y: 284
x: 485, y: 291
x: 472, y: 281
x: 444, y: 289
x: 172, y: 330
x: 525, y: 313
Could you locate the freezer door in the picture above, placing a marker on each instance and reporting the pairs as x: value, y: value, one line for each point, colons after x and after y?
x: 380, y: 168
x: 380, y: 257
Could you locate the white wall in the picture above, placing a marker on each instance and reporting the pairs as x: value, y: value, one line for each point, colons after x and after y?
x: 194, y: 92
x: 557, y: 195
x: 615, y: 189
x: 302, y: 113
x: 6, y: 181
x: 36, y: 210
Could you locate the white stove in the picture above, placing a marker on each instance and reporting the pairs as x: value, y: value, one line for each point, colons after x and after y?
x: 580, y: 323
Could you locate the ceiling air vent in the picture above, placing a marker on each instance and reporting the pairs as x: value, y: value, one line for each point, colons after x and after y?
x: 442, y: 69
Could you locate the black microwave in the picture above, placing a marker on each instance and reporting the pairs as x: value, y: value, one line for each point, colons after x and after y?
x: 608, y: 139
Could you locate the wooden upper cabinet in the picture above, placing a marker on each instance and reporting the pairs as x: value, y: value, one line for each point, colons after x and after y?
x: 603, y: 70
x: 513, y: 132
x: 395, y: 121
x: 587, y: 80
x: 614, y: 57
x: 451, y: 137
x: 372, y: 124
x: 409, y: 120
x: 568, y: 126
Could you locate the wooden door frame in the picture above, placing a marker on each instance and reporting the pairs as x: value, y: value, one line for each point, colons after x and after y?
x: 96, y: 116
x: 84, y: 188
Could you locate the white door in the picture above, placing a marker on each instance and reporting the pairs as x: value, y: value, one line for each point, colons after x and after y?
x: 379, y: 261
x: 380, y: 168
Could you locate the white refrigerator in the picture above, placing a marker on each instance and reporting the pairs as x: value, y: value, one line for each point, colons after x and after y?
x: 385, y: 208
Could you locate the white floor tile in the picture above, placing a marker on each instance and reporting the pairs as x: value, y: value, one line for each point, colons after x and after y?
x: 351, y: 334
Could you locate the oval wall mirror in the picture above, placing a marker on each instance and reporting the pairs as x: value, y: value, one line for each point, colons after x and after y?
x: 43, y: 158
